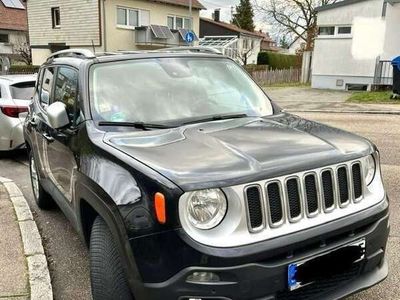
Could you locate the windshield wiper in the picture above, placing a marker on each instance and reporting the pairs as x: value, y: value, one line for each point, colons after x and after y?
x: 217, y: 118
x: 138, y: 125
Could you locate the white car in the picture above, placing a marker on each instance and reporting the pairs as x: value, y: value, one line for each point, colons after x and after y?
x: 16, y: 93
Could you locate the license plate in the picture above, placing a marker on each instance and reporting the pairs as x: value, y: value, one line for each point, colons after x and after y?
x: 322, y: 266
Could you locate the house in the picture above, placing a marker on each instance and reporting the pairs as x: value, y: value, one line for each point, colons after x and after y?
x: 267, y: 43
x: 233, y: 41
x: 356, y: 41
x: 297, y: 45
x: 13, y: 27
x: 112, y: 25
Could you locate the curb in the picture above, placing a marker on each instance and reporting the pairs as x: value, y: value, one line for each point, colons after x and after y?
x: 38, y: 271
x: 384, y: 112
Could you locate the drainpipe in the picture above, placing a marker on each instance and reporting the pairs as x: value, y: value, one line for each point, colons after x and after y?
x: 104, y: 26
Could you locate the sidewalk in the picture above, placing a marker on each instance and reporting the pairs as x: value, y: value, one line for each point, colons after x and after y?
x: 23, y: 264
x: 305, y: 99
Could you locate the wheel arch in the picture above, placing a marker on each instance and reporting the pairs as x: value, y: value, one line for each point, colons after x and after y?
x: 91, y: 202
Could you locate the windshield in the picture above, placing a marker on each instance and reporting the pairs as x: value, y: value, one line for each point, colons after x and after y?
x: 173, y: 90
x: 23, y: 90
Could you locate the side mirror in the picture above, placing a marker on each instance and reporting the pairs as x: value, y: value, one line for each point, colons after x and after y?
x: 57, y: 115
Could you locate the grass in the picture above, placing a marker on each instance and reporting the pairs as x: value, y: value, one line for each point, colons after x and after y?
x: 373, y: 97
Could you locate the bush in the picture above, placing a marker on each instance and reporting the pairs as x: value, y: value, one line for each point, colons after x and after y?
x: 278, y: 61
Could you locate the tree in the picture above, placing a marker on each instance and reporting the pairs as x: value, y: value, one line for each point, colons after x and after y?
x: 23, y: 50
x: 243, y: 18
x: 284, y: 42
x: 295, y: 17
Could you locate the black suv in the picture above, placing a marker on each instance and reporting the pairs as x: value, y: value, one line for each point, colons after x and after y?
x: 187, y: 182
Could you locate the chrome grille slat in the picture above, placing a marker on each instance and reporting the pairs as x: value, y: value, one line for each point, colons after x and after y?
x: 310, y: 194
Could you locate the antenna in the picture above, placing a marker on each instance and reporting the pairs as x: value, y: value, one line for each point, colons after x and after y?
x: 94, y: 49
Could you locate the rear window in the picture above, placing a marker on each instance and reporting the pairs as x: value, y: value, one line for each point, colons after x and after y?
x: 23, y: 90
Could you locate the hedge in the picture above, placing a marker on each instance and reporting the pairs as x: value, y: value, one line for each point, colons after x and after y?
x: 23, y: 69
x: 277, y: 61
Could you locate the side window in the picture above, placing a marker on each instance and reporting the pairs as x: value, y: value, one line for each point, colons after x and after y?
x: 66, y: 89
x: 46, y: 87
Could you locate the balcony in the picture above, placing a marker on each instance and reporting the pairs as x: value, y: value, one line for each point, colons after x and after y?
x: 160, y: 36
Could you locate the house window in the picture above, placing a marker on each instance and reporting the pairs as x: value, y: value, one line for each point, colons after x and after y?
x: 175, y: 22
x: 4, y: 38
x: 130, y: 18
x: 326, y: 30
x: 55, y: 17
x: 344, y: 30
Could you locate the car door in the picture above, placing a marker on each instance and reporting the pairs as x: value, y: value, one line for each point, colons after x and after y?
x: 61, y: 159
x: 38, y: 120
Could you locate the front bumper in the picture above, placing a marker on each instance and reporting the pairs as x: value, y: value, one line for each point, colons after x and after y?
x: 264, y: 275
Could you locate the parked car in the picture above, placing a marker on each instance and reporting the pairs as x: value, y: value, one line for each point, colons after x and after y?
x: 187, y: 182
x: 16, y: 92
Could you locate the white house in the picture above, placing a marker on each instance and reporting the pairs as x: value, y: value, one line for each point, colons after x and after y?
x: 357, y: 40
x: 233, y: 41
x: 297, y: 45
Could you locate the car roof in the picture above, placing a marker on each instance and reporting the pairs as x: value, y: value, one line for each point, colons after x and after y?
x: 13, y: 79
x: 78, y: 60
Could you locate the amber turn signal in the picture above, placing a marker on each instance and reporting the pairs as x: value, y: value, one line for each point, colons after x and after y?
x: 159, y: 206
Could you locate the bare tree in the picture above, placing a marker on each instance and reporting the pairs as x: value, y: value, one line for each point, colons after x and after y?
x: 22, y: 48
x: 244, y: 54
x: 295, y: 17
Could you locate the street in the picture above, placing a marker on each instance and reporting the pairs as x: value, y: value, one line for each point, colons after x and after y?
x: 68, y: 257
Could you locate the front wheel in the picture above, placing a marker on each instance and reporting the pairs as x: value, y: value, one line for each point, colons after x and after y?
x: 42, y: 198
x: 107, y: 275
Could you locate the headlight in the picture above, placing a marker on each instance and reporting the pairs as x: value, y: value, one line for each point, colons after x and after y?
x: 206, y: 208
x: 369, y: 169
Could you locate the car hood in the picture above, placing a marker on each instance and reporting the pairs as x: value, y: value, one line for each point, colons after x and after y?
x: 229, y: 152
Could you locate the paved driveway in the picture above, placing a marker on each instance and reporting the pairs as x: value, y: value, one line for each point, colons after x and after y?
x: 308, y: 99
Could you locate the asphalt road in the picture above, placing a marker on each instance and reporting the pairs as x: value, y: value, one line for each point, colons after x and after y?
x: 68, y: 257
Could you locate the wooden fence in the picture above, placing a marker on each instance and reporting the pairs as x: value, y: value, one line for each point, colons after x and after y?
x: 269, y: 77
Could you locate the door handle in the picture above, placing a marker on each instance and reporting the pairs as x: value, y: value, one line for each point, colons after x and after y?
x: 48, y: 138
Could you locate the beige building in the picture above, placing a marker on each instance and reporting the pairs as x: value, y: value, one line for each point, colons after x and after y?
x: 109, y: 25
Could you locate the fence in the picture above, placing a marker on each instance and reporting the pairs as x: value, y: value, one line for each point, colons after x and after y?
x: 269, y: 77
x: 383, y: 73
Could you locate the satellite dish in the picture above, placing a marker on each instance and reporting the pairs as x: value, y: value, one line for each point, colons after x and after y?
x: 4, y: 64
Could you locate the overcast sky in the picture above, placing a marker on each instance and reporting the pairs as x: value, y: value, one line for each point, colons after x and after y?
x: 226, y: 10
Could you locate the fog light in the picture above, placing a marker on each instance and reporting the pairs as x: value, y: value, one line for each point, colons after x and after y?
x: 203, y: 277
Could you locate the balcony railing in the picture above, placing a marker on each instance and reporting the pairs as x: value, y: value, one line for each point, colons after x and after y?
x: 157, y: 35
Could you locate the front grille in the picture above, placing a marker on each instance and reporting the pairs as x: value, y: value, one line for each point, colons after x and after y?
x: 254, y: 207
x: 292, y: 198
x: 311, y: 193
x: 357, y: 180
x: 327, y: 187
x: 343, y: 182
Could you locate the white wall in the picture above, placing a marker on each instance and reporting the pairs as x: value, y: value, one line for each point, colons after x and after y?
x: 349, y: 58
x: 392, y: 36
x: 297, y: 45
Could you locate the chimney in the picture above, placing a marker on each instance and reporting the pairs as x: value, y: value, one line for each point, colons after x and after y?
x: 217, y: 15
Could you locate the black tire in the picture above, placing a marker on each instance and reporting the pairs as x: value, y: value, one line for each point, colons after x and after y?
x: 42, y: 198
x: 107, y: 275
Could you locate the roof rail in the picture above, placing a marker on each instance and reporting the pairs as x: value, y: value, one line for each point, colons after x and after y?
x: 80, y: 53
x: 199, y: 49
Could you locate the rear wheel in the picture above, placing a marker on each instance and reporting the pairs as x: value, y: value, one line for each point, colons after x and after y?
x: 42, y: 198
x: 107, y: 275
